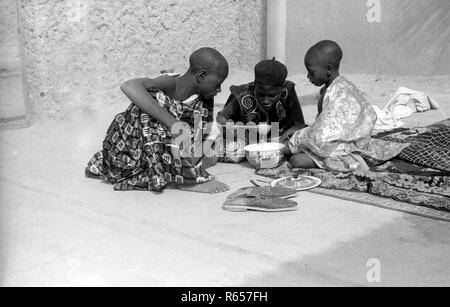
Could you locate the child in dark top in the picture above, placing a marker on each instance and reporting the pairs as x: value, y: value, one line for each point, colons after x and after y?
x: 268, y: 99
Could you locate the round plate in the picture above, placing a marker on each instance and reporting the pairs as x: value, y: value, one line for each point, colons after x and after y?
x: 299, y: 183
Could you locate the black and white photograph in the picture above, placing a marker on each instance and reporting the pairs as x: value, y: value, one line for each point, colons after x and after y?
x: 224, y: 148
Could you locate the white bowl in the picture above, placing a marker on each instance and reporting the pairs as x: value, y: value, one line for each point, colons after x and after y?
x: 264, y: 155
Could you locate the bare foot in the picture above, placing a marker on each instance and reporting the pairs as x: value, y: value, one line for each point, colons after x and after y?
x: 210, y: 187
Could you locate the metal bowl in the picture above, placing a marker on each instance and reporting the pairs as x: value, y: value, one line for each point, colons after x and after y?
x: 264, y: 155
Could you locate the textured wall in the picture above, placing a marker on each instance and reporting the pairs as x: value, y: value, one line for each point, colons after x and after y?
x: 9, y: 47
x: 11, y: 88
x: 77, y: 52
x: 407, y: 37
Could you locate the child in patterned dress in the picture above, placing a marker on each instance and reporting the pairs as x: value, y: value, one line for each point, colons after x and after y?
x: 154, y: 143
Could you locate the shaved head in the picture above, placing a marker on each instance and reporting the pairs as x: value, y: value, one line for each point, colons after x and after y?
x: 325, y: 52
x: 209, y: 60
x: 208, y: 68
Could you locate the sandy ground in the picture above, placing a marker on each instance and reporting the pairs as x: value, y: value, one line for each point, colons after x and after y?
x: 60, y: 228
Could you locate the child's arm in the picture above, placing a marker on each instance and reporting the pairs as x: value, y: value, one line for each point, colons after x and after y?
x: 295, y: 116
x: 320, y: 100
x: 286, y: 151
x: 230, y: 111
x: 136, y: 91
x: 295, y: 111
x: 288, y: 133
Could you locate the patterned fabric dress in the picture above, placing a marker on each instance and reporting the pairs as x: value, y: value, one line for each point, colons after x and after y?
x: 138, y: 153
x: 340, y: 137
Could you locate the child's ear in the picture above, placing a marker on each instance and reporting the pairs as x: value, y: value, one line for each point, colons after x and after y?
x: 201, y: 75
x: 330, y: 68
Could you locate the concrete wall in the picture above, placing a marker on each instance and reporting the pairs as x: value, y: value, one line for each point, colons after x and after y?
x: 403, y: 37
x: 78, y: 52
x: 12, y: 103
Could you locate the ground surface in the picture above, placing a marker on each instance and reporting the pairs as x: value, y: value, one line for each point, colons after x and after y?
x: 60, y: 228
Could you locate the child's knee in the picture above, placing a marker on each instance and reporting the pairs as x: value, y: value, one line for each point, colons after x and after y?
x: 296, y: 160
x: 301, y: 160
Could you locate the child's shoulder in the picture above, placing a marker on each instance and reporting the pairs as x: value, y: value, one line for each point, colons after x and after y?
x: 289, y: 84
x: 343, y: 85
x: 343, y: 82
x: 164, y: 83
x: 167, y: 80
x: 242, y: 88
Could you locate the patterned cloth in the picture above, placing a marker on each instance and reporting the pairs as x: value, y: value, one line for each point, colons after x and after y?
x: 340, y: 137
x: 138, y: 151
x: 401, y: 178
x: 395, y: 179
x: 428, y: 147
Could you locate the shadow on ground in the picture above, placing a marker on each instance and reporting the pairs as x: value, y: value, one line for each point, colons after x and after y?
x: 414, y: 255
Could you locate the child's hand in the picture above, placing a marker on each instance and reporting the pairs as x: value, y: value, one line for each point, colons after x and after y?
x: 288, y: 134
x: 285, y: 137
x: 286, y: 150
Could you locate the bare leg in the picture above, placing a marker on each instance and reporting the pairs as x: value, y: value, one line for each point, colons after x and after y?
x: 210, y: 187
x: 302, y: 160
x: 210, y: 158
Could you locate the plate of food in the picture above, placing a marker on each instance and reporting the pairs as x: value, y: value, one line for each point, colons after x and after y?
x: 299, y: 183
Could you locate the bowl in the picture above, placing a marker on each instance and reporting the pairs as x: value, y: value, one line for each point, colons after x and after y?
x: 264, y: 155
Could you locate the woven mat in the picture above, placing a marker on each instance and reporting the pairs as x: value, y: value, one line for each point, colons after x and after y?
x: 375, y: 200
x: 386, y: 203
